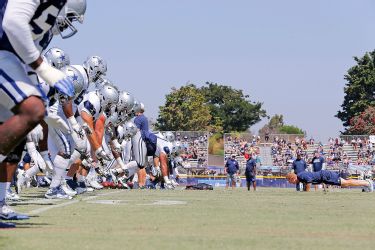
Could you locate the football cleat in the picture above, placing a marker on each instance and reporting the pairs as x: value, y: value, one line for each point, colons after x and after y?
x: 67, y: 189
x: 11, y: 196
x: 114, y: 174
x: 57, y: 193
x: 6, y: 213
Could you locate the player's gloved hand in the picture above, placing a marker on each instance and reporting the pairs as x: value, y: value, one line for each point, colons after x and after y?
x: 116, y: 146
x: 101, y: 154
x: 35, y: 155
x: 55, y: 121
x: 35, y: 135
x: 56, y: 78
x: 76, y: 127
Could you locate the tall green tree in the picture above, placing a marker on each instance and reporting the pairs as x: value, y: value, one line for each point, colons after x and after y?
x: 185, y: 109
x: 231, y: 107
x: 359, y: 89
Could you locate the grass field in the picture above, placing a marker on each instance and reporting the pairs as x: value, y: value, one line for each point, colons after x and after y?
x: 220, y: 219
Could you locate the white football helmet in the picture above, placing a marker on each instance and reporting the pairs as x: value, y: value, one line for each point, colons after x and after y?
x: 169, y: 136
x: 103, y: 81
x: 125, y: 102
x: 130, y: 129
x: 108, y: 96
x: 136, y: 107
x: 57, y: 58
x: 79, y: 83
x: 177, y: 148
x: 95, y: 67
x: 74, y: 10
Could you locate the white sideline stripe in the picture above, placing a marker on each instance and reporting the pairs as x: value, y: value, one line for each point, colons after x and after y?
x: 44, y: 209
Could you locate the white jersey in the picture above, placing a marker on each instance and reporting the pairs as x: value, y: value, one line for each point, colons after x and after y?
x: 27, y: 26
x: 91, y: 105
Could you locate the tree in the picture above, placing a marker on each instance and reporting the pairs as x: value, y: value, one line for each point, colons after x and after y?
x: 185, y: 109
x: 363, y: 124
x: 272, y: 127
x: 276, y: 126
x: 230, y: 108
x: 359, y: 89
x: 290, y: 130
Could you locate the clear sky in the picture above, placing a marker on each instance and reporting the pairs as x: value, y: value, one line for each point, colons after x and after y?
x: 291, y: 55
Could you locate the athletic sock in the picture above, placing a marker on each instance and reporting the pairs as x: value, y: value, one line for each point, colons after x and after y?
x: 31, y: 172
x: 3, y: 190
x: 60, y: 164
x: 7, y: 185
x: 75, y: 156
x: 166, y: 179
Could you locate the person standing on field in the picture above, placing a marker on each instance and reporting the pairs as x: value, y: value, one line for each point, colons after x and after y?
x: 299, y: 165
x: 232, y: 169
x: 250, y: 172
x: 317, y: 164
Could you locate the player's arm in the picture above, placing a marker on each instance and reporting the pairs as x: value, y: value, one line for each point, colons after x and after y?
x: 16, y: 24
x: 99, y: 128
x: 92, y: 137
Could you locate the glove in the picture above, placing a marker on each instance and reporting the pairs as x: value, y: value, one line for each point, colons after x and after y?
x: 101, y: 154
x: 56, y: 78
x: 35, y: 156
x: 76, y: 127
x: 55, y: 121
x: 116, y: 146
x: 35, y: 135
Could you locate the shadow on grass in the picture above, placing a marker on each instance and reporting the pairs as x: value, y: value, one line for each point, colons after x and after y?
x: 30, y: 225
x: 32, y: 204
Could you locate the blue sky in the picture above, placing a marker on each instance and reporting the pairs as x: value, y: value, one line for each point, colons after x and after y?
x: 291, y: 55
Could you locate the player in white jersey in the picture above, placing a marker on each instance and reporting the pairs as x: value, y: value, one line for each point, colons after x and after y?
x: 25, y: 31
x: 114, y: 130
x: 91, y: 112
x: 150, y: 145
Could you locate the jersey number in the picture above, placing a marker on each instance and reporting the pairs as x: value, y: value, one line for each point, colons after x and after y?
x: 44, y: 22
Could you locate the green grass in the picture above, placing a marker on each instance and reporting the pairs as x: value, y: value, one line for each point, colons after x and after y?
x: 219, y: 219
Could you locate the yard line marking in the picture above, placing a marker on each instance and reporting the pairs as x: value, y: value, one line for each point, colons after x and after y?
x: 44, y: 209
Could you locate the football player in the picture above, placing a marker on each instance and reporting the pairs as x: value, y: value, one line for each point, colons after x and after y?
x: 142, y: 147
x: 329, y: 178
x: 27, y: 28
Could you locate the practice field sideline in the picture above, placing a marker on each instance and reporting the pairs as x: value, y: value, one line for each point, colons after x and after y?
x: 221, y: 219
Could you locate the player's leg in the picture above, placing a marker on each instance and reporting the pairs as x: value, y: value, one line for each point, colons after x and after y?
x: 248, y: 183
x: 60, y: 163
x: 357, y: 183
x: 7, y: 170
x: 21, y: 105
x: 254, y: 183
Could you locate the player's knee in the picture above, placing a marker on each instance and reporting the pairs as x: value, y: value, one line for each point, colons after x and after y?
x: 33, y: 109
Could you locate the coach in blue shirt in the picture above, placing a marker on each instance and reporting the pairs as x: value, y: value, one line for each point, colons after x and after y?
x: 317, y: 165
x: 299, y: 165
x: 232, y: 169
x: 250, y: 172
x: 317, y: 162
x: 141, y: 122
